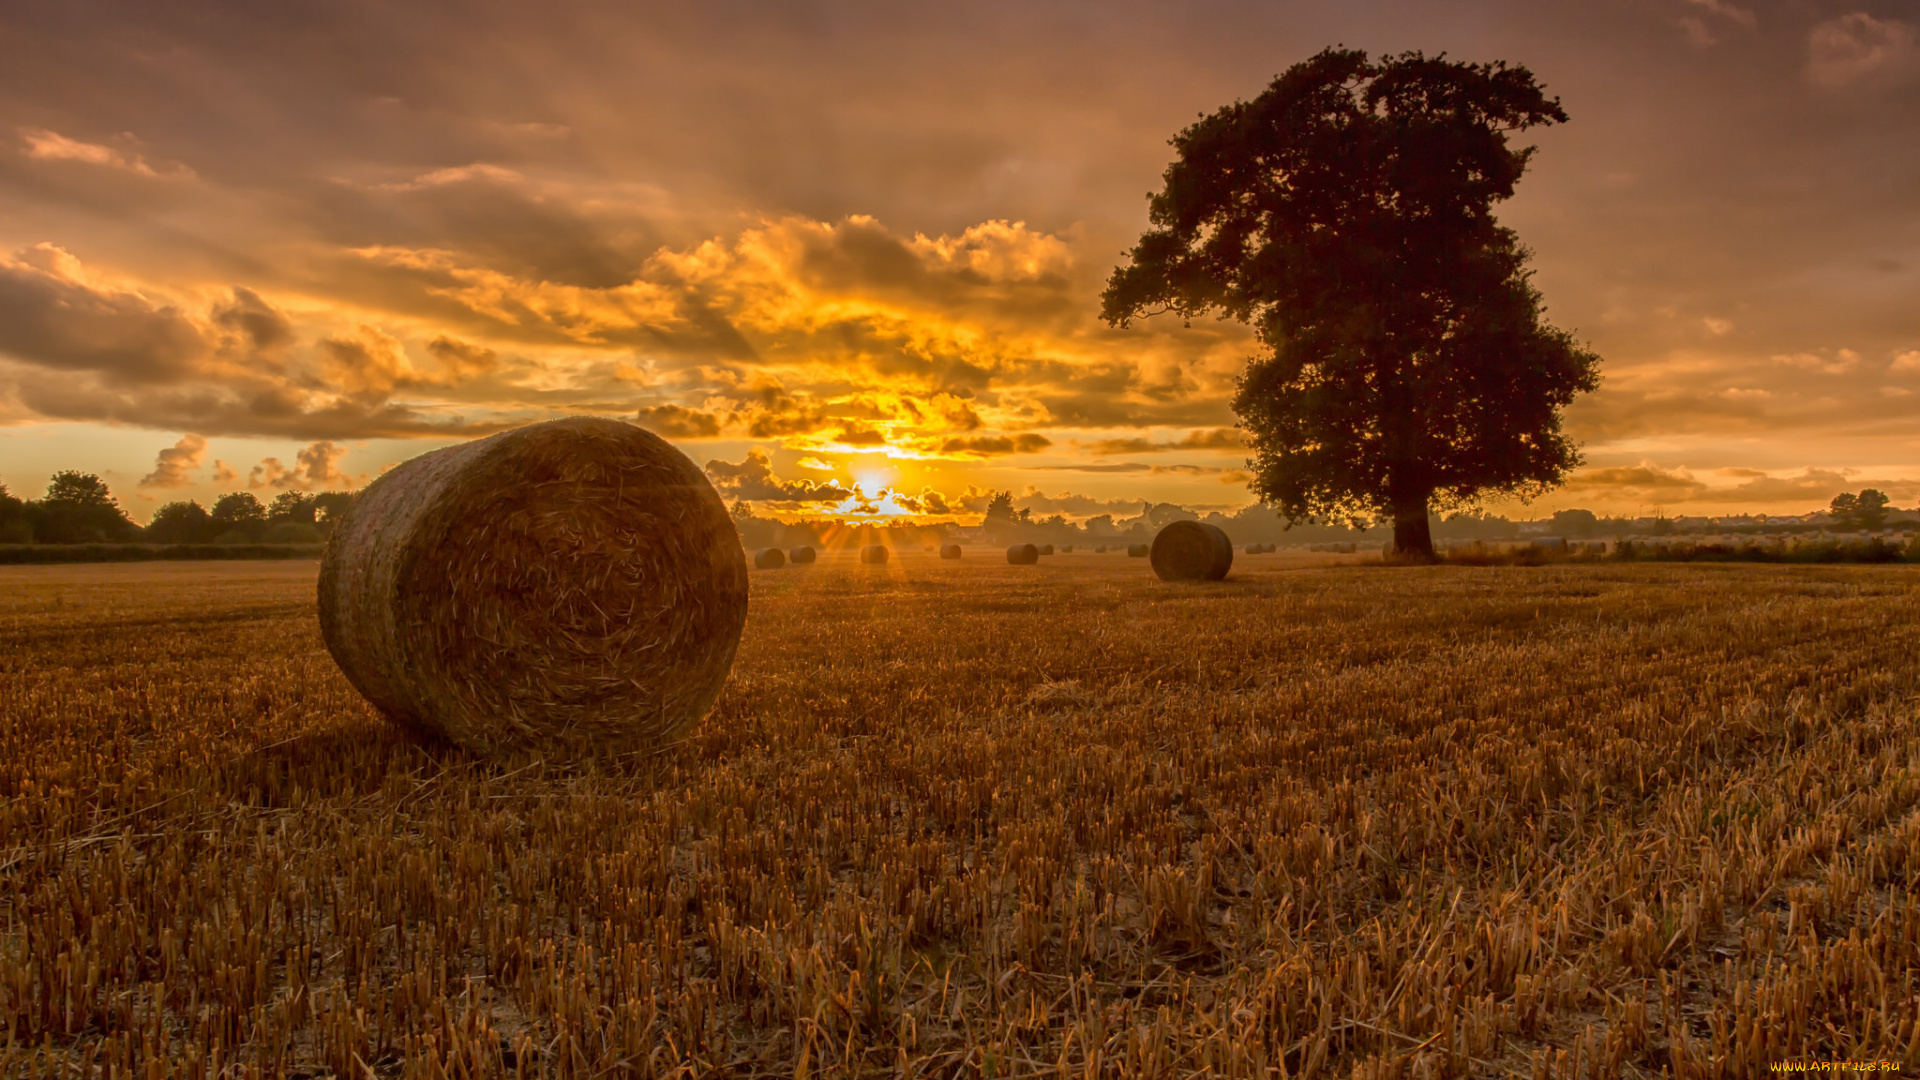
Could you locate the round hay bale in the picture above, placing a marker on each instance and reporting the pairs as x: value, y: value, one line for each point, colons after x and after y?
x: 1191, y: 551
x: 574, y: 587
x: 1046, y: 549
x: 1138, y: 551
x: 950, y: 551
x: 1101, y: 550
x: 1066, y: 549
x: 769, y: 559
x: 874, y: 554
x: 1023, y: 554
x: 800, y: 556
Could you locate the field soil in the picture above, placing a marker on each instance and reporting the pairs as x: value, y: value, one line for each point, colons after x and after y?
x: 971, y: 819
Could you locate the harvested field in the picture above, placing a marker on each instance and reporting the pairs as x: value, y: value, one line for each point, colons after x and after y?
x: 971, y: 819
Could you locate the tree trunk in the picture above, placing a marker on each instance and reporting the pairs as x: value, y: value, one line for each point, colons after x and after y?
x: 1412, y: 537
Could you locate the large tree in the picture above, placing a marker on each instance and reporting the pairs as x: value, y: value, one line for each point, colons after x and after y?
x: 1346, y: 214
x: 79, y: 509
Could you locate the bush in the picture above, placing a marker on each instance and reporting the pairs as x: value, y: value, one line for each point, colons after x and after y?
x: 290, y: 532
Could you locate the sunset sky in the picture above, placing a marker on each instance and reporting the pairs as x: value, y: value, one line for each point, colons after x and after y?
x: 828, y: 244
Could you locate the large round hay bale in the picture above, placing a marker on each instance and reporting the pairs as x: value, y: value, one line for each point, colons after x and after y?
x: 1046, y: 549
x: 1023, y: 554
x: 574, y: 587
x: 769, y: 559
x: 950, y: 551
x: 801, y: 555
x: 1191, y: 551
x: 1138, y: 551
x: 874, y: 554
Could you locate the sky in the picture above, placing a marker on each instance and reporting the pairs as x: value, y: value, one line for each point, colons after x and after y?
x: 835, y: 246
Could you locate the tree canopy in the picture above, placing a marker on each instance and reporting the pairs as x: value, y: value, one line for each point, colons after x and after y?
x: 1346, y: 215
x: 1865, y: 510
x: 79, y: 508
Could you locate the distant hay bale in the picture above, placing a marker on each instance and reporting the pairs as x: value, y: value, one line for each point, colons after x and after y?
x: 1138, y: 551
x: 769, y: 559
x: 801, y: 555
x: 573, y: 587
x: 950, y: 551
x: 1101, y: 550
x: 1191, y: 551
x: 1046, y: 549
x: 1066, y: 549
x: 874, y: 554
x: 1023, y: 554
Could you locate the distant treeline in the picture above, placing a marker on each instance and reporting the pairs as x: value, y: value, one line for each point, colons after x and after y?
x: 78, y: 509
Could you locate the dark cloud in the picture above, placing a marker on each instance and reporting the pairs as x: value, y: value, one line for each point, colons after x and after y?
x: 1210, y: 439
x: 680, y: 422
x: 752, y: 479
x: 51, y: 319
x: 996, y: 445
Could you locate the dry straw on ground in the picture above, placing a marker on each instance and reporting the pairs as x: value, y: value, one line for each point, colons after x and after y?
x: 1023, y: 555
x: 1191, y: 551
x: 575, y: 586
x: 769, y: 559
x: 950, y: 551
x: 802, y: 555
x: 874, y: 554
x: 965, y: 820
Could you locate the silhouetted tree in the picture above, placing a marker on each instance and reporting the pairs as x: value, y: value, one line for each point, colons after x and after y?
x: 79, y: 509
x: 329, y: 505
x: 999, y: 509
x: 1866, y: 510
x: 180, y: 523
x: 291, y: 506
x: 237, y: 515
x: 1575, y: 522
x: 1346, y: 215
x: 13, y: 518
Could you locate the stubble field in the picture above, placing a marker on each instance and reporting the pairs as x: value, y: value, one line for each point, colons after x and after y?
x: 982, y: 820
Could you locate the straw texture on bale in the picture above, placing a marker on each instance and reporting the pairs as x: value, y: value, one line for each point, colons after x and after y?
x: 576, y: 587
x: 875, y: 554
x: 801, y: 555
x: 769, y: 559
x: 1023, y: 554
x: 1138, y: 551
x: 1192, y: 551
x: 950, y: 551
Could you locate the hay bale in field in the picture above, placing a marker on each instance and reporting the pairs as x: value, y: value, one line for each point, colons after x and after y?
x: 1066, y: 549
x: 1192, y: 551
x: 1046, y: 549
x: 801, y: 555
x: 769, y: 559
x: 1138, y: 551
x: 1101, y: 550
x: 575, y: 587
x: 1023, y: 554
x: 950, y: 551
x: 874, y: 554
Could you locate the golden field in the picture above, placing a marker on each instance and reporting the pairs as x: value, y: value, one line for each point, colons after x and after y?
x: 1322, y: 819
